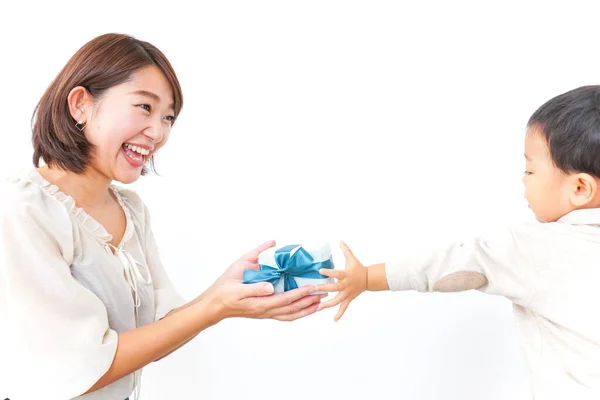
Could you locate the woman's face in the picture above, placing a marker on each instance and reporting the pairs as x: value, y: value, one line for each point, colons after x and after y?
x: 129, y: 123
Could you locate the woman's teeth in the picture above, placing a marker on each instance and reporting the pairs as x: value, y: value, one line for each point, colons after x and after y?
x: 137, y: 149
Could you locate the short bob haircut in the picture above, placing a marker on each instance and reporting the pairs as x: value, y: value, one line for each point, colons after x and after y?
x: 104, y: 62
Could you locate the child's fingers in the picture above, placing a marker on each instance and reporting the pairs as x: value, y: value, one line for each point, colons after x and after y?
x: 332, y: 273
x: 346, y: 250
x: 328, y: 287
x: 331, y: 303
x: 342, y: 310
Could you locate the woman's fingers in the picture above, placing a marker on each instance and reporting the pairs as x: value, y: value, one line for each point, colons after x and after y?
x: 252, y: 255
x: 298, y: 314
x: 283, y: 299
x: 296, y: 306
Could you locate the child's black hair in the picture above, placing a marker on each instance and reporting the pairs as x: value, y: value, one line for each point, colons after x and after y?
x: 570, y: 124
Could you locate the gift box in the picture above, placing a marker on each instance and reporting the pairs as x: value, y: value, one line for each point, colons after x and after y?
x: 292, y: 266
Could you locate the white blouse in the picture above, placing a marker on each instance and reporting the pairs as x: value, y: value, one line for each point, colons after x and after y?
x: 66, y: 293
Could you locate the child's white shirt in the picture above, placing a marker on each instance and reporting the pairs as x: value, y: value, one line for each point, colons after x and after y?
x: 551, y: 273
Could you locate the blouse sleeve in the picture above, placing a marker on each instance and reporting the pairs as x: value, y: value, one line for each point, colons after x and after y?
x: 55, y: 332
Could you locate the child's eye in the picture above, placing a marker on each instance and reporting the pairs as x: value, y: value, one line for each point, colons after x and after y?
x: 527, y: 173
x: 145, y: 107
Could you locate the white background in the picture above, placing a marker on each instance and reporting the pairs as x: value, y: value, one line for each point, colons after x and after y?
x: 381, y: 123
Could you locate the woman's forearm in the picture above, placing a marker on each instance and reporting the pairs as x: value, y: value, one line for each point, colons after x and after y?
x: 139, y: 347
x: 175, y: 311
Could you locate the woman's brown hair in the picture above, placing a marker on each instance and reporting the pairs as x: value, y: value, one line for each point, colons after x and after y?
x: 102, y: 63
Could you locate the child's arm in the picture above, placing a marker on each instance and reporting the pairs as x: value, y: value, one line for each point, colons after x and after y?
x: 503, y: 263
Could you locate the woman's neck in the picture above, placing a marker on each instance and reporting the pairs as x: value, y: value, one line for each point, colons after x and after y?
x: 89, y: 189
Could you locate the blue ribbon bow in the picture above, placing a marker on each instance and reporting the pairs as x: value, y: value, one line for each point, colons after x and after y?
x: 300, y: 264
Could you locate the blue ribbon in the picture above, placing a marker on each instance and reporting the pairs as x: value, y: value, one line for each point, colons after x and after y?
x: 300, y: 264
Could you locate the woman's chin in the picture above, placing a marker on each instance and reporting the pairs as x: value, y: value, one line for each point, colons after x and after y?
x: 125, y: 172
x: 128, y: 177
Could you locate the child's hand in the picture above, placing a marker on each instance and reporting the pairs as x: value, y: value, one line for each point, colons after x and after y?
x: 350, y: 282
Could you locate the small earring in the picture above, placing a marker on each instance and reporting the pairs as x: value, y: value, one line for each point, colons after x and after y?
x: 80, y: 125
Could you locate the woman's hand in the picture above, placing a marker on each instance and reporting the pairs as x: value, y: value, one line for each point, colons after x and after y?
x: 236, y: 299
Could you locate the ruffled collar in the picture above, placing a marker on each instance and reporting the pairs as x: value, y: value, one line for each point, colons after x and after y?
x: 92, y: 226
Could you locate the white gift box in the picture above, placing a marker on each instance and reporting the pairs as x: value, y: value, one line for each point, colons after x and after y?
x: 320, y: 253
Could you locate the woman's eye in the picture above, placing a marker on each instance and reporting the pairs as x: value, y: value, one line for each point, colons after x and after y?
x: 527, y: 173
x: 145, y: 107
x: 171, y: 119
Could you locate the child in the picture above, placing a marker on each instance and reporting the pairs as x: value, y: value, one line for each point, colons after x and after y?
x: 549, y: 270
x: 85, y: 302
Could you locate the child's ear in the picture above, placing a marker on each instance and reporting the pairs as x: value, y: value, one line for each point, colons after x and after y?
x: 585, y: 189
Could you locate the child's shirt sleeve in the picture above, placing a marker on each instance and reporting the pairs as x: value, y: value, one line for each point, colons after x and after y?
x: 501, y: 263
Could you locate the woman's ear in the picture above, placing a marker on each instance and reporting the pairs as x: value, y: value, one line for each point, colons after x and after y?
x: 80, y: 102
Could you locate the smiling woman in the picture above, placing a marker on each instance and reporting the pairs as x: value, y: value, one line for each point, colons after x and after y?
x: 139, y: 76
x: 127, y: 124
x: 84, y: 294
